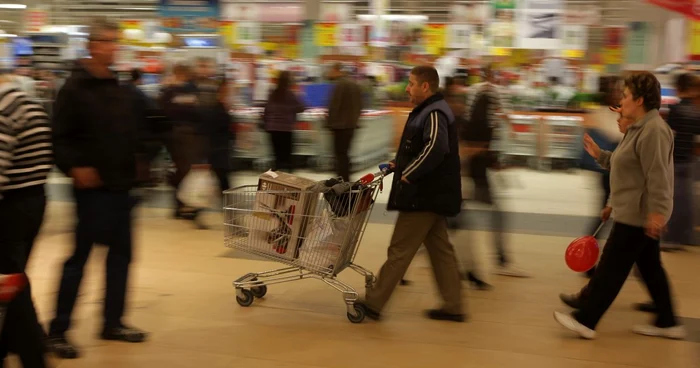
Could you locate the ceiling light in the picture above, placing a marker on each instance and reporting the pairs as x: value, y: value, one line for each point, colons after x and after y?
x: 13, y: 6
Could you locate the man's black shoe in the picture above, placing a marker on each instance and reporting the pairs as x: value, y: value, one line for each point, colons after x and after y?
x: 61, y: 347
x: 441, y: 315
x: 122, y: 333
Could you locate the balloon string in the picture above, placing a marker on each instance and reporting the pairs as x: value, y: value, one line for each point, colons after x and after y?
x: 595, y: 234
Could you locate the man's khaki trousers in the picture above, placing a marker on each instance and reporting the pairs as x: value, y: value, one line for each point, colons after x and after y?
x: 413, y: 229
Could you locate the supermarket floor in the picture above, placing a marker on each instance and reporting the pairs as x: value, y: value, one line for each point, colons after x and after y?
x: 181, y: 292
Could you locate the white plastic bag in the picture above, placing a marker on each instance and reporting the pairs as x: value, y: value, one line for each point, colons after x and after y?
x: 198, y: 189
x: 327, y: 237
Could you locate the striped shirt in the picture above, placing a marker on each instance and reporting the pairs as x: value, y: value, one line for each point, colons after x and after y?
x: 684, y: 120
x: 26, y: 154
x: 498, y: 97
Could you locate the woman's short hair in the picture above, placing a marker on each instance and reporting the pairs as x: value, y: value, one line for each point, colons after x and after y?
x: 645, y: 85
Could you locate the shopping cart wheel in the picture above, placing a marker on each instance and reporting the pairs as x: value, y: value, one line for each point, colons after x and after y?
x: 259, y: 291
x: 360, y: 314
x: 245, y: 299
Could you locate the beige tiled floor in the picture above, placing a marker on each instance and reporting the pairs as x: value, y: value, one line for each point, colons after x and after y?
x: 181, y: 292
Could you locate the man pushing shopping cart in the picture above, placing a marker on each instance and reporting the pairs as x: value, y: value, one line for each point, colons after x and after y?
x: 426, y: 190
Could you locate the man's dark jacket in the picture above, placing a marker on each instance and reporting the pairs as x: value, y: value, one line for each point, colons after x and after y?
x: 428, y: 157
x: 95, y: 124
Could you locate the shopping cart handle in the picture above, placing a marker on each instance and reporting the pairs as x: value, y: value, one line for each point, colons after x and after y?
x: 386, y: 169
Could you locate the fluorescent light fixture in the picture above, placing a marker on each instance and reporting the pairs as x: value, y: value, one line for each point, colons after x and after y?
x: 7, y: 35
x: 394, y: 17
x: 13, y: 6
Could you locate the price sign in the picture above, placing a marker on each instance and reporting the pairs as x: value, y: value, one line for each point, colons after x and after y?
x: 574, y: 54
x: 435, y: 36
x: 350, y: 35
x: 247, y: 33
x: 612, y: 56
x: 694, y: 38
x: 325, y: 34
x: 460, y: 36
x: 500, y: 51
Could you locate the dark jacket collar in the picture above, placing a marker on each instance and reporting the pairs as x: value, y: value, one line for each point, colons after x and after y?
x: 428, y: 101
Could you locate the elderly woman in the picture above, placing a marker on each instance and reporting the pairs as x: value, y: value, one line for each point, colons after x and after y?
x: 641, y: 201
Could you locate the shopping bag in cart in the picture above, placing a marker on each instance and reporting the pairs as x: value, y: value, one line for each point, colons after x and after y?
x: 328, y: 236
x: 198, y: 189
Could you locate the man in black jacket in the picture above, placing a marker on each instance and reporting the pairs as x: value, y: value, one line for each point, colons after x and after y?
x: 97, y: 143
x: 426, y: 190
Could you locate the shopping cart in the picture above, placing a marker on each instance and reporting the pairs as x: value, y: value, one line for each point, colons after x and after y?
x: 317, y: 239
x: 10, y: 286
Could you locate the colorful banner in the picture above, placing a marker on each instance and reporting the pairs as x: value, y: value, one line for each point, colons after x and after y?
x: 434, y: 37
x: 324, y: 34
x: 637, y: 43
x: 193, y: 16
x: 689, y: 8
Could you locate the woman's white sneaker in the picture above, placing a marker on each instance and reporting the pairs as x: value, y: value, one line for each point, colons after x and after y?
x: 675, y: 332
x: 571, y: 324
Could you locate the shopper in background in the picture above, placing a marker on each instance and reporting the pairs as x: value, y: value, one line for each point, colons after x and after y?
x: 426, y: 190
x: 221, y: 137
x: 97, y: 143
x: 25, y: 161
x: 641, y: 202
x: 455, y: 97
x: 183, y: 109
x: 485, y: 109
x: 344, y: 111
x: 280, y: 118
x: 684, y: 120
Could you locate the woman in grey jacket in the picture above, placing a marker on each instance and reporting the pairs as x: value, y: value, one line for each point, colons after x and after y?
x: 641, y: 201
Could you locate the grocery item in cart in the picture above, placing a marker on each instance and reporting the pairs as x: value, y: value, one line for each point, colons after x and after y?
x: 280, y: 218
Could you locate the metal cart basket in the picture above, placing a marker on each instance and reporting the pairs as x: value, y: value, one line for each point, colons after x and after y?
x: 317, y: 236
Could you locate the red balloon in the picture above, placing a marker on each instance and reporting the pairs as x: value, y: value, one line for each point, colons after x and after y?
x: 582, y: 254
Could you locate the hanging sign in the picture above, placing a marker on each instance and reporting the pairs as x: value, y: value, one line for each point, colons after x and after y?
x: 637, y: 43
x: 434, y: 36
x: 325, y: 34
x: 460, y: 36
x: 247, y: 33
x: 193, y: 16
x: 694, y: 40
x: 574, y: 41
x: 539, y: 24
x: 350, y: 35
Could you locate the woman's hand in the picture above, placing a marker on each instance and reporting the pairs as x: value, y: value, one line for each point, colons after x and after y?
x: 591, y: 147
x: 605, y: 213
x: 655, y: 225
